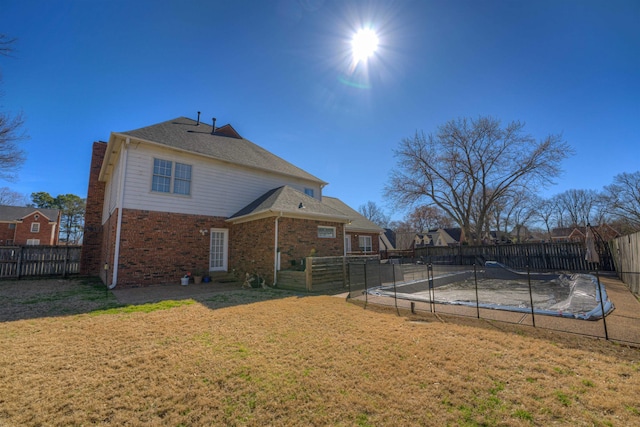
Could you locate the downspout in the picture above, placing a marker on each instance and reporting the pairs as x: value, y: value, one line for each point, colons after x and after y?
x: 344, y: 241
x: 275, y: 254
x: 123, y: 175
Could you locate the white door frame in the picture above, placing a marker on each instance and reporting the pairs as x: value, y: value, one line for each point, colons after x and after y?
x: 215, y: 245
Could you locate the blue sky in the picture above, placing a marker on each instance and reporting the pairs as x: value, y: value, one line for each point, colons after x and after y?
x: 280, y: 73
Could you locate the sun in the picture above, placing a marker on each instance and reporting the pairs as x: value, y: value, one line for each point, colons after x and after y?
x: 364, y: 44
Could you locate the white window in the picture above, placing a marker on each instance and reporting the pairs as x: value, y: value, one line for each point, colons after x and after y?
x: 218, y: 249
x: 308, y: 191
x: 365, y: 244
x: 164, y: 171
x: 35, y: 227
x: 33, y: 242
x: 326, y: 232
x: 347, y: 243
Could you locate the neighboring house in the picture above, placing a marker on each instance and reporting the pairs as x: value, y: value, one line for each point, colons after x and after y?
x: 28, y: 226
x: 579, y: 234
x: 387, y: 240
x: 500, y: 237
x: 182, y: 195
x: 438, y: 237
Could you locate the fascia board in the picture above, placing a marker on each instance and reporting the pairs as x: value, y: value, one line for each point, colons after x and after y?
x: 287, y: 214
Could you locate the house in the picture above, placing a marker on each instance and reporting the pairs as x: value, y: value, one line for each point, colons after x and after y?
x: 28, y: 226
x: 181, y: 196
x: 579, y: 234
x: 387, y: 240
x: 438, y: 237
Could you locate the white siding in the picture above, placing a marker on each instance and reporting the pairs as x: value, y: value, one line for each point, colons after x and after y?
x: 217, y: 188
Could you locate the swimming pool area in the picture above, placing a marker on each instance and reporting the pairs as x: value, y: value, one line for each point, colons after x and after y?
x: 494, y: 286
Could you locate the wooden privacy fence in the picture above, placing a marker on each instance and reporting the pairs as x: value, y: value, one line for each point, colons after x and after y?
x: 537, y: 256
x: 29, y: 261
x: 626, y: 255
x: 320, y: 274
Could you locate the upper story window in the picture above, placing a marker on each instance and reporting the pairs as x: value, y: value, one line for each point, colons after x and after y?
x: 308, y: 191
x: 35, y: 227
x: 12, y: 226
x: 170, y: 177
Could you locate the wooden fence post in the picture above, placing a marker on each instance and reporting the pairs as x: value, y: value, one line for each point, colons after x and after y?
x: 309, y: 273
x: 64, y: 265
x: 19, y: 267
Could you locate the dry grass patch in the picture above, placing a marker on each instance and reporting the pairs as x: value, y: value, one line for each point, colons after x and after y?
x: 305, y: 361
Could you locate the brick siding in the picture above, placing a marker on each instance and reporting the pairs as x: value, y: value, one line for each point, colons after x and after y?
x: 91, y: 261
x: 159, y: 247
x: 253, y: 244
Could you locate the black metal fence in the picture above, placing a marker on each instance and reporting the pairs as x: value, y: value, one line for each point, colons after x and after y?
x: 17, y: 262
x: 424, y: 288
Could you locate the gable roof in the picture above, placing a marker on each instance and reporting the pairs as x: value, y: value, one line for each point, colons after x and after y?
x: 454, y: 233
x: 225, y: 144
x: 18, y: 213
x: 289, y: 202
x: 358, y: 221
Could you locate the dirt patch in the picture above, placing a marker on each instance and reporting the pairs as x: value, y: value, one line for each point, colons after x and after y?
x: 304, y: 360
x: 28, y: 299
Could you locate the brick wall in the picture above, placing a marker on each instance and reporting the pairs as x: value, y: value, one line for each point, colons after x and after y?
x: 159, y: 247
x: 91, y: 259
x: 253, y: 244
x: 6, y: 233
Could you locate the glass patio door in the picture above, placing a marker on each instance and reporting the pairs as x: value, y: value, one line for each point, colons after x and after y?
x: 218, y: 249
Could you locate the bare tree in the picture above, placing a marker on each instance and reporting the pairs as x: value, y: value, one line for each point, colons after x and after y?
x: 404, y: 232
x: 373, y: 213
x: 623, y: 198
x: 11, y: 156
x: 469, y: 164
x: 546, y: 211
x: 579, y: 205
x: 9, y: 197
x: 424, y: 218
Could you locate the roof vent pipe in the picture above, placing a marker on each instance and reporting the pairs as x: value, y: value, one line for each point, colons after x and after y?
x: 198, y: 123
x: 213, y: 130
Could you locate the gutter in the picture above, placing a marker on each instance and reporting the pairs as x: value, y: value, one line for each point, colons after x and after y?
x: 124, y: 154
